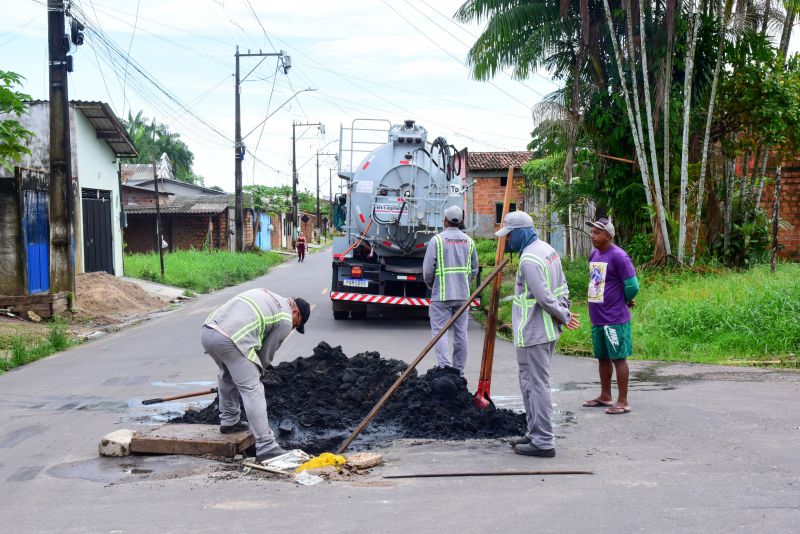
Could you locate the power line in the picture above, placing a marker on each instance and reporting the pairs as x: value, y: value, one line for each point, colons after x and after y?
x: 470, y: 46
x: 130, y: 44
x: 443, y: 49
x: 262, y: 26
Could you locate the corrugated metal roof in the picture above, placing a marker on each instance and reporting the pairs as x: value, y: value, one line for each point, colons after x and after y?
x: 106, y: 123
x: 492, y: 161
x: 188, y: 205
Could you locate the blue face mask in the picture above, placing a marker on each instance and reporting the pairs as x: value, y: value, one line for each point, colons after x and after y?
x: 519, y: 238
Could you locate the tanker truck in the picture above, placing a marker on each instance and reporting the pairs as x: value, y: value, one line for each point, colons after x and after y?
x: 397, y: 186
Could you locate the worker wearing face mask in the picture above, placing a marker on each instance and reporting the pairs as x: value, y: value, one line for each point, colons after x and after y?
x: 540, y: 310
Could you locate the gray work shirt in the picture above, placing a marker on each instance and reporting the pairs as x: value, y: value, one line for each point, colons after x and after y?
x: 451, y: 262
x: 257, y: 321
x: 541, y: 300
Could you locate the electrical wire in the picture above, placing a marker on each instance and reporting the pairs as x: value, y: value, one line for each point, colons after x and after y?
x: 130, y: 44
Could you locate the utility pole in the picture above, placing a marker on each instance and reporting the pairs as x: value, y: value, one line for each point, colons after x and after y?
x: 62, y: 271
x: 319, y: 217
x: 330, y: 198
x: 239, y: 148
x: 159, y: 239
x: 295, y: 211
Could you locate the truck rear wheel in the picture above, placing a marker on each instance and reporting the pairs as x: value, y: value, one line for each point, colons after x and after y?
x: 360, y: 313
x: 340, y: 314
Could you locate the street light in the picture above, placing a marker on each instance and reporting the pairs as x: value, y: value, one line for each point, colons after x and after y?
x: 295, y: 211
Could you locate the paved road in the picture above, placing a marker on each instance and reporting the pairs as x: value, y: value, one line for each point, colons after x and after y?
x: 705, y: 449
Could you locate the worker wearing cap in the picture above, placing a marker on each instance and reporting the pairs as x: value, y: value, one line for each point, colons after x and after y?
x: 612, y: 288
x: 540, y: 309
x: 242, y: 336
x: 450, y: 265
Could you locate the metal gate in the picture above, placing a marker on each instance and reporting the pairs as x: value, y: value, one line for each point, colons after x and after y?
x: 98, y: 236
x: 264, y: 235
x: 36, y: 236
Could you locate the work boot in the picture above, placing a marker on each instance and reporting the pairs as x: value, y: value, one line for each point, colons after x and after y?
x: 519, y: 440
x: 529, y: 449
x: 270, y: 454
x: 241, y: 426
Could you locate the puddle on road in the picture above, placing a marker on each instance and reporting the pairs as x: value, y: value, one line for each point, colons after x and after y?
x: 132, y: 469
x: 514, y: 403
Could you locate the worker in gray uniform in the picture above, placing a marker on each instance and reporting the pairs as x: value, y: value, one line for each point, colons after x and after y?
x: 540, y: 308
x: 242, y: 336
x: 451, y: 263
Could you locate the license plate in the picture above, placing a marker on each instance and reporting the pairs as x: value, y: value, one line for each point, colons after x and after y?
x: 352, y: 282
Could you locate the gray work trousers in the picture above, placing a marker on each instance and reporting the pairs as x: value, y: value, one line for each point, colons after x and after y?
x: 534, y: 382
x: 239, y: 376
x: 440, y: 312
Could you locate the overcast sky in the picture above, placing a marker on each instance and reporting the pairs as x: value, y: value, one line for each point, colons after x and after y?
x: 381, y: 59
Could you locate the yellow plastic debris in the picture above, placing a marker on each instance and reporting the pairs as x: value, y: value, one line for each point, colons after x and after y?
x: 323, y: 460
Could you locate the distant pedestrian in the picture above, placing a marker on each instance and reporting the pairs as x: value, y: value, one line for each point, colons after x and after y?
x: 450, y: 265
x: 301, y: 247
x: 540, y: 308
x: 612, y: 288
x: 242, y: 337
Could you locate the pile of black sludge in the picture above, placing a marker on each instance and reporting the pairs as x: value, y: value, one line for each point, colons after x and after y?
x: 315, y: 402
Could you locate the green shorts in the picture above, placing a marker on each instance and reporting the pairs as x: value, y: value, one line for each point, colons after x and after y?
x: 612, y: 341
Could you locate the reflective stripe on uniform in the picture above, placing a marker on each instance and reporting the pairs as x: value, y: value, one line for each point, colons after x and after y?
x: 527, y: 304
x: 442, y: 271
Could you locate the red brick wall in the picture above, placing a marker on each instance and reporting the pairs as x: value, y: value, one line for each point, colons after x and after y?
x: 142, y: 198
x: 789, y: 239
x: 277, y: 231
x: 308, y: 227
x: 139, y: 235
x: 487, y: 191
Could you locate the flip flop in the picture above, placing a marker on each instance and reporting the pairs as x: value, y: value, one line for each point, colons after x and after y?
x: 618, y: 410
x: 594, y: 403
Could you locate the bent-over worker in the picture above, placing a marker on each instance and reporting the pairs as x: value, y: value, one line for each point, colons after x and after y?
x: 242, y: 336
x: 451, y: 263
x: 540, y: 308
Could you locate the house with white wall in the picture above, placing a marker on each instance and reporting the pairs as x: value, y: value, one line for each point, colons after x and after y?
x: 99, y: 141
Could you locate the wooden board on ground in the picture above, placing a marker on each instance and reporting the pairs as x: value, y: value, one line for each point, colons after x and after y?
x: 192, y: 440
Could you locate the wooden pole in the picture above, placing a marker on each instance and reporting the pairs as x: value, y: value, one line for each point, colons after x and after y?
x: 491, y: 474
x: 482, y: 395
x: 397, y: 383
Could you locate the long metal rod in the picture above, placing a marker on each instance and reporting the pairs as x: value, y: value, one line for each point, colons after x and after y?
x: 393, y: 389
x: 181, y: 396
x: 491, y: 474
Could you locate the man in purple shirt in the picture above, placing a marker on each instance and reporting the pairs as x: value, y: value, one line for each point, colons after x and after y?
x: 612, y: 287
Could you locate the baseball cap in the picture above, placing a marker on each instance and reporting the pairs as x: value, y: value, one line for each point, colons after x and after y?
x: 305, y: 313
x: 514, y: 220
x: 603, y: 224
x: 454, y: 214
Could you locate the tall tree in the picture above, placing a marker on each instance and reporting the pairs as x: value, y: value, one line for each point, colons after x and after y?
x: 152, y: 139
x: 694, y: 25
x: 13, y: 137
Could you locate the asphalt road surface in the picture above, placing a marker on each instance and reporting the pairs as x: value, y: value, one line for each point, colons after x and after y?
x: 706, y: 449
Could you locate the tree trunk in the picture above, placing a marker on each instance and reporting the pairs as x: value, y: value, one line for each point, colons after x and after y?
x: 670, y: 28
x: 687, y: 105
x: 763, y: 171
x: 707, y: 135
x: 629, y: 107
x: 662, y: 219
x: 787, y: 30
x: 729, y: 182
x: 776, y: 211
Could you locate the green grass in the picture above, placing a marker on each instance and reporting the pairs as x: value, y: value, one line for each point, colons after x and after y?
x: 201, y: 271
x: 26, y: 348
x: 706, y: 315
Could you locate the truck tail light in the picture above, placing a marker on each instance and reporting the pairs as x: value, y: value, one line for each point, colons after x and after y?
x: 406, y: 277
x: 356, y: 271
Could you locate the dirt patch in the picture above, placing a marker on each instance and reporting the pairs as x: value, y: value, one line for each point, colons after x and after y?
x: 104, y: 298
x: 315, y: 402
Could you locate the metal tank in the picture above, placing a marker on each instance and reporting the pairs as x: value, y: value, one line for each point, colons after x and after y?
x: 397, y: 187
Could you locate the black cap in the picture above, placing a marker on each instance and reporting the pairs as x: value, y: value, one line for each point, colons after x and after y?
x: 305, y: 313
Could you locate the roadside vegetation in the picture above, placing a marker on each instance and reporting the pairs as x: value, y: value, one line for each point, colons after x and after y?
x: 18, y: 348
x: 201, y: 271
x: 705, y: 315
